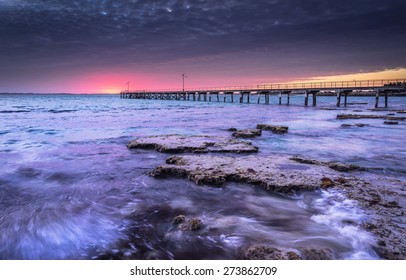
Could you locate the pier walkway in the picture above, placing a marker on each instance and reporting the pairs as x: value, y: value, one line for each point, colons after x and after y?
x: 341, y: 89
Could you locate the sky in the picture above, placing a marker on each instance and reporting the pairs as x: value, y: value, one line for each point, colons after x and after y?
x: 96, y: 46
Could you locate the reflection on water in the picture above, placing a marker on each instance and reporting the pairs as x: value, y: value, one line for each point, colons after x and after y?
x: 70, y: 189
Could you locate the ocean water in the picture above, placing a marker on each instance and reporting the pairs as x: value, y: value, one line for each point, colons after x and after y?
x: 70, y: 189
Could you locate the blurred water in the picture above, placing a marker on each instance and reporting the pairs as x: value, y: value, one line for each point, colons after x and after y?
x: 70, y: 189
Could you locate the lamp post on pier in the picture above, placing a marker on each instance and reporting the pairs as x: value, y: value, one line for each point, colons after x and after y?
x: 183, y: 81
x: 128, y: 86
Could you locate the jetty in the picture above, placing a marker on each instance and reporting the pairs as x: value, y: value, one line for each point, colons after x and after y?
x: 282, y: 91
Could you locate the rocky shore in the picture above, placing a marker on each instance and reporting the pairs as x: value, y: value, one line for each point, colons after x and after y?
x: 382, y: 199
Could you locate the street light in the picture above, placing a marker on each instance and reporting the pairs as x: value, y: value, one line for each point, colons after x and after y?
x: 183, y: 81
x: 128, y: 86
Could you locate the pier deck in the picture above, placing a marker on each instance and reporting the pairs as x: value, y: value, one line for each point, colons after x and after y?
x: 263, y: 92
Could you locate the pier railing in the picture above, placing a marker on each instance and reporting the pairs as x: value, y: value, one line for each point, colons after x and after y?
x: 320, y: 85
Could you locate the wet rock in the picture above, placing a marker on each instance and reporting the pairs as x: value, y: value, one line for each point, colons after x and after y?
x: 343, y: 167
x: 247, y: 133
x: 193, y: 224
x: 293, y: 256
x: 326, y: 183
x: 260, y: 252
x: 232, y: 129
x: 391, y: 114
x: 262, y: 171
x: 195, y: 144
x: 179, y: 219
x: 401, y: 112
x: 391, y: 122
x: 316, y: 253
x: 357, y: 124
x: 355, y: 116
x: 333, y: 165
x: 278, y: 129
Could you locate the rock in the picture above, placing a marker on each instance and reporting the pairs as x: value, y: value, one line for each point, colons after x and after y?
x: 196, y: 144
x: 326, y: 183
x: 354, y: 116
x: 316, y: 253
x: 232, y: 129
x: 333, y: 165
x: 274, y: 128
x: 390, y: 122
x: 195, y: 224
x: 357, y: 124
x: 247, y: 133
x: 391, y: 114
x: 274, y: 173
x: 401, y: 112
x: 179, y: 219
x: 260, y: 252
x: 190, y: 224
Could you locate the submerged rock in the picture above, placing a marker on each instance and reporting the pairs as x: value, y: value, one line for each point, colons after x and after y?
x: 232, y: 129
x: 196, y: 144
x: 247, y: 133
x: 391, y: 122
x: 355, y: 116
x: 357, y: 124
x: 274, y: 173
x: 278, y: 129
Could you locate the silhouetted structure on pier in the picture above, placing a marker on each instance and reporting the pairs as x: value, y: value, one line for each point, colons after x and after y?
x: 264, y: 92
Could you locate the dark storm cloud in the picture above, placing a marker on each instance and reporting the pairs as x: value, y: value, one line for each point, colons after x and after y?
x: 102, y: 32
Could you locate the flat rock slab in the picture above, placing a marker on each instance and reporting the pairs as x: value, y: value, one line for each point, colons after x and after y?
x: 274, y: 173
x: 194, y: 144
x: 355, y: 116
x: 278, y: 129
x: 247, y: 133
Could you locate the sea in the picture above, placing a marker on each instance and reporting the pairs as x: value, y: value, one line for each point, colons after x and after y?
x: 71, y: 189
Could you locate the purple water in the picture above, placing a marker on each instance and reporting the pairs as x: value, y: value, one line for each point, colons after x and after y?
x: 70, y: 189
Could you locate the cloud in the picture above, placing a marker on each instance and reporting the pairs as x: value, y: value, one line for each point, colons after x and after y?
x: 56, y: 34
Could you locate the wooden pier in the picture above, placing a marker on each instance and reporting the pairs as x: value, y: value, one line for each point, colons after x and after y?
x: 341, y: 89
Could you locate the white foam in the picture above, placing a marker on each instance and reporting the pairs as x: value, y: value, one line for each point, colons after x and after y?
x: 342, y: 215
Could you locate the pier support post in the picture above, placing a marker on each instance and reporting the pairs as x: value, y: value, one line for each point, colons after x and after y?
x: 306, y: 103
x: 288, y: 101
x: 267, y: 98
x: 218, y: 97
x: 314, y: 98
x: 241, y: 97
x: 209, y: 96
x: 386, y: 99
x: 377, y: 98
x: 205, y: 96
x: 248, y: 97
x: 338, y: 98
x: 345, y: 99
x: 232, y: 97
x: 280, y: 98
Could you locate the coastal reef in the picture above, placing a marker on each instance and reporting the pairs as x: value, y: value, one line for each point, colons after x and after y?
x: 192, y: 144
x: 277, y: 173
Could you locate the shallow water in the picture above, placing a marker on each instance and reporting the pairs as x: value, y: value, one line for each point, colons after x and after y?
x: 70, y: 189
